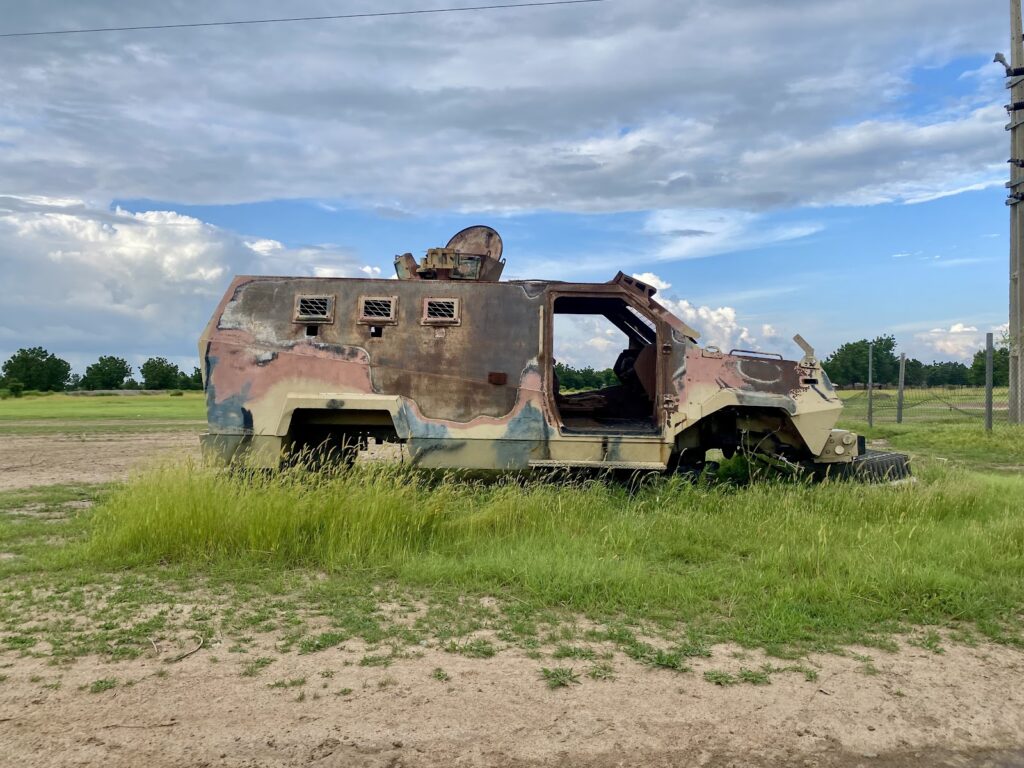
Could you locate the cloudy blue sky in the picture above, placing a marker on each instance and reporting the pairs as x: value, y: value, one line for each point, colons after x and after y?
x: 828, y: 167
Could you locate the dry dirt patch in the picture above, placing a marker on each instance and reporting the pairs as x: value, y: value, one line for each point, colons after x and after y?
x: 920, y: 708
x: 32, y: 460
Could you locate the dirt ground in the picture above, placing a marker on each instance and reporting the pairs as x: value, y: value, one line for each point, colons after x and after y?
x: 32, y: 460
x: 964, y: 707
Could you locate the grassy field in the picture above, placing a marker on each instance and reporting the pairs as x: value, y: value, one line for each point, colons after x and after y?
x: 72, y: 408
x: 768, y: 564
x: 661, y: 572
x: 785, y: 567
x: 93, y: 414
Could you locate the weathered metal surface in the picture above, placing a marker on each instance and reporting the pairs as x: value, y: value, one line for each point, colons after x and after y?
x: 472, y: 384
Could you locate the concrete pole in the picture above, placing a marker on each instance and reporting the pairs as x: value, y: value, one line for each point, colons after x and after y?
x: 989, y: 349
x: 899, y: 392
x: 1015, y: 83
x: 871, y: 385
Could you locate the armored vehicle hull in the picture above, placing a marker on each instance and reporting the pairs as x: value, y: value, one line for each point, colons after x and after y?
x: 460, y: 372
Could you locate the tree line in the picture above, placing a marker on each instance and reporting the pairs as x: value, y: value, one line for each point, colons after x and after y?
x: 848, y: 365
x: 570, y: 378
x: 35, y: 369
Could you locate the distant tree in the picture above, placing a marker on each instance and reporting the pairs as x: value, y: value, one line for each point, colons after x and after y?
x: 946, y: 373
x: 131, y: 384
x: 74, y: 381
x: 190, y: 381
x: 108, y: 372
x: 570, y: 378
x: 37, y: 369
x: 915, y: 373
x: 159, y: 373
x: 849, y: 363
x: 15, y: 387
x: 1000, y: 367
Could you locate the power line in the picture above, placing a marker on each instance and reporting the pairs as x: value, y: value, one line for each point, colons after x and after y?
x: 373, y: 15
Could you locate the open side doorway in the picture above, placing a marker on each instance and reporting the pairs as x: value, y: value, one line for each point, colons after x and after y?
x: 625, y: 403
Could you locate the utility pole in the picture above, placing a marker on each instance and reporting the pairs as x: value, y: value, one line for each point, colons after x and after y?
x: 1015, y: 200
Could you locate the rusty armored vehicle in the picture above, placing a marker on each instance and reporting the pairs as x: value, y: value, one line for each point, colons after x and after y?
x: 458, y: 368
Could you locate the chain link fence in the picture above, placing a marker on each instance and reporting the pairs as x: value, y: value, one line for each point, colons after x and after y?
x: 985, y: 405
x: 935, y: 405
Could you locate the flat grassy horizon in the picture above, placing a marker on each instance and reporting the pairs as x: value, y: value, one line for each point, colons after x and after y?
x: 97, y: 414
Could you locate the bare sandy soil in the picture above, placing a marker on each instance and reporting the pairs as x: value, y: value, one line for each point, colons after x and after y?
x: 962, y: 708
x: 31, y: 460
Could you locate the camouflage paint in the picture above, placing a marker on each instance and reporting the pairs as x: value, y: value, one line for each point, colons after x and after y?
x: 433, y: 383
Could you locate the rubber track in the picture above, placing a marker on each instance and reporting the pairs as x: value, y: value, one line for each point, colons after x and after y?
x: 874, y: 467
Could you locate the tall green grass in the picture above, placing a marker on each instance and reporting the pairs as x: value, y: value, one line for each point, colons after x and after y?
x: 767, y: 564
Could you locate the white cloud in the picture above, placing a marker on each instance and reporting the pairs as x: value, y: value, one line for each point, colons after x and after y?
x: 959, y: 341
x: 961, y: 262
x: 600, y: 343
x: 718, y: 326
x: 83, y: 281
x: 696, y: 233
x: 578, y: 108
x: 265, y: 247
x: 652, y: 280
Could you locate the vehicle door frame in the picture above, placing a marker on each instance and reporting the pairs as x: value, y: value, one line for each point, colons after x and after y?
x: 662, y: 344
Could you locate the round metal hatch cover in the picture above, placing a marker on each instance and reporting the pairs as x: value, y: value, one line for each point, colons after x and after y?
x: 478, y: 240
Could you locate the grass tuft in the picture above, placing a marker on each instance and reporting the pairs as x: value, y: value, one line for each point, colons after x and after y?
x: 106, y: 684
x: 321, y: 642
x: 257, y: 665
x: 559, y: 677
x: 602, y: 670
x: 719, y: 677
x: 756, y: 676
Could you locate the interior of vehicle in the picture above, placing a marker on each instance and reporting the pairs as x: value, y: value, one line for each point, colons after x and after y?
x: 628, y: 405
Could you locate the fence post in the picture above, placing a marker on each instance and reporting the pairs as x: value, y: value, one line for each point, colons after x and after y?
x: 988, y: 381
x: 899, y: 392
x: 871, y: 385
